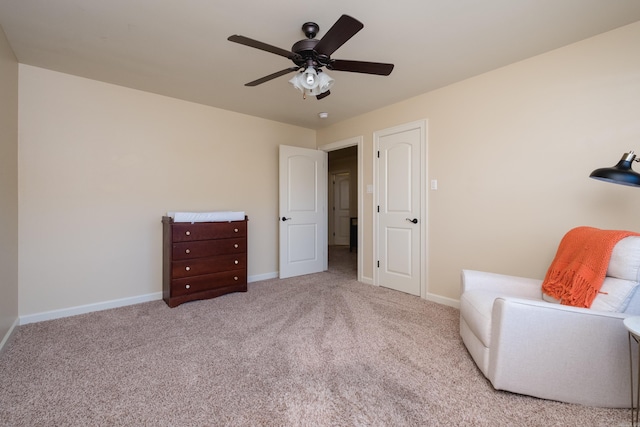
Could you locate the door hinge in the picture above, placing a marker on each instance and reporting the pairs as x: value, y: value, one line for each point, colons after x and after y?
x: 378, y: 153
x: 378, y: 264
x: 378, y: 208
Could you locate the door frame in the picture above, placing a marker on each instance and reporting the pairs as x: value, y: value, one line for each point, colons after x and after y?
x: 424, y: 256
x: 338, y: 145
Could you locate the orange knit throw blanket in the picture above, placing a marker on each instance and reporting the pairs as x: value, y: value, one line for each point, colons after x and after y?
x: 580, y: 266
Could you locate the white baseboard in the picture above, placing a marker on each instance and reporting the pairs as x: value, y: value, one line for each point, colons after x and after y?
x: 366, y: 280
x: 430, y: 297
x: 443, y: 300
x: 82, y: 309
x: 9, y: 334
x: 259, y: 277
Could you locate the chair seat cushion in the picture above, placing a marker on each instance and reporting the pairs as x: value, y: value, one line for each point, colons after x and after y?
x: 475, y: 309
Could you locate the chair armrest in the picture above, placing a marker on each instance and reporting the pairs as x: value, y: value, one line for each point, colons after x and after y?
x: 559, y: 352
x: 521, y: 287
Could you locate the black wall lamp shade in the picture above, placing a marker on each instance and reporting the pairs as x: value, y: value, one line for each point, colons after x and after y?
x: 620, y: 173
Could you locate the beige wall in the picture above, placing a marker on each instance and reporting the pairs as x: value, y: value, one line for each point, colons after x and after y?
x: 512, y: 150
x: 100, y: 164
x: 8, y: 187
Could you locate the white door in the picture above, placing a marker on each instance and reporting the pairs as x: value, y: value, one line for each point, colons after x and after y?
x: 303, y: 214
x: 341, y: 208
x: 400, y: 216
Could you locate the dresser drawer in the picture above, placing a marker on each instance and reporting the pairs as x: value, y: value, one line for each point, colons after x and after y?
x: 207, y: 248
x: 215, y: 264
x: 186, y: 231
x: 207, y: 282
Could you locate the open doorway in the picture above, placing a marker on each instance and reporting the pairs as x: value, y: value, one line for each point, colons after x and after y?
x: 343, y: 210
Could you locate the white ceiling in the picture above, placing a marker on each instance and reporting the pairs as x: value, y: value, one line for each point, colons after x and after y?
x: 179, y: 48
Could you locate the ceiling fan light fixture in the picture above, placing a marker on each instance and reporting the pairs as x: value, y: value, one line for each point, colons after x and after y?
x: 325, y: 82
x: 309, y: 78
x: 296, y: 82
x: 322, y: 82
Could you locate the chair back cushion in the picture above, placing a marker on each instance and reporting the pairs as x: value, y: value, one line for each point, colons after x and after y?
x: 614, y: 295
x: 625, y: 260
x: 624, y: 265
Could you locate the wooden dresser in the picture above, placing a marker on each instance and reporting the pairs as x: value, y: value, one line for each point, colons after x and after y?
x: 203, y: 259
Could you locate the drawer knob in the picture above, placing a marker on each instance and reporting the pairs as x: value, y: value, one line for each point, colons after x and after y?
x: 235, y: 246
x: 235, y: 262
x: 187, y: 286
x: 188, y: 251
x: 188, y: 233
x: 235, y: 230
x: 188, y: 268
x: 235, y: 277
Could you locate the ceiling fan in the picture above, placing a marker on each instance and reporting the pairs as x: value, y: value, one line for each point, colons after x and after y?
x: 311, y: 55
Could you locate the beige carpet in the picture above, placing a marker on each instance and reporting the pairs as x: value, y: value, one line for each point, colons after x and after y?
x: 318, y: 350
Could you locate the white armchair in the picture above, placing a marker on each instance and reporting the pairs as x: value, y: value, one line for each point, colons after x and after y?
x: 524, y: 344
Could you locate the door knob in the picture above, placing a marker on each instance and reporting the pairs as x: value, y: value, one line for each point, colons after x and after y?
x: 285, y: 218
x: 414, y: 220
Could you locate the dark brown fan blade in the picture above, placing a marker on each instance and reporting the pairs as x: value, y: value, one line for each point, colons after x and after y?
x: 272, y: 76
x: 361, y: 67
x: 344, y: 28
x: 262, y: 46
x: 323, y: 95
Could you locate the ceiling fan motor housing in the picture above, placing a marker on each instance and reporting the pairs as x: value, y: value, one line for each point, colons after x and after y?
x: 305, y: 50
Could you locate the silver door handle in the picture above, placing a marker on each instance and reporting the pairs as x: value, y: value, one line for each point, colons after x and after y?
x: 414, y: 220
x: 285, y: 218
